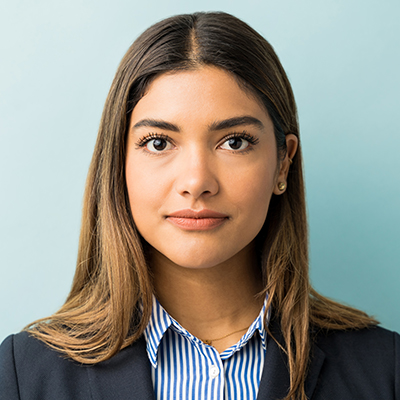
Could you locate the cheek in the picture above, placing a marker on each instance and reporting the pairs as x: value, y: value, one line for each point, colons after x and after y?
x: 255, y: 202
x: 142, y: 189
x: 253, y: 189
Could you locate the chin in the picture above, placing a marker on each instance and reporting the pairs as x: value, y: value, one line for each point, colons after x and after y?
x: 202, y: 258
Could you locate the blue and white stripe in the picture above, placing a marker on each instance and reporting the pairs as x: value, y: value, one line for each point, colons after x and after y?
x: 184, y: 368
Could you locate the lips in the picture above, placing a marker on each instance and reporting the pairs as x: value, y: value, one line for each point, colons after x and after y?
x: 197, y: 220
x: 197, y: 214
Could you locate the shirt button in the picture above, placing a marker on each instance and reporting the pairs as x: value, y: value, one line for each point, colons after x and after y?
x: 214, y: 371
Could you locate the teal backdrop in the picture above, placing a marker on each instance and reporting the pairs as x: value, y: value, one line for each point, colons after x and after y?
x: 57, y: 61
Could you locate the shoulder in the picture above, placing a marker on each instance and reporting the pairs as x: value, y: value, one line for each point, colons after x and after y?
x: 24, y: 350
x: 375, y: 342
x: 28, y: 366
x: 365, y: 361
x: 24, y: 346
x: 31, y: 370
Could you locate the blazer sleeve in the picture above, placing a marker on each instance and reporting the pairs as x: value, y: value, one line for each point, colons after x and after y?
x: 397, y: 366
x: 8, y: 376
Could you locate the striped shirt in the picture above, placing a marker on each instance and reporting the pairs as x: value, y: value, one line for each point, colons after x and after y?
x: 185, y: 368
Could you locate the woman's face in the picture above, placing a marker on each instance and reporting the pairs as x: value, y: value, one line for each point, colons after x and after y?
x: 201, y: 166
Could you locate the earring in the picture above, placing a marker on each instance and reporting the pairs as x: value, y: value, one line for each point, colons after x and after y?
x: 281, y: 186
x: 290, y: 161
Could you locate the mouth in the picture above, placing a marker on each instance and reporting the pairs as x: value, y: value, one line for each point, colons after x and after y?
x: 192, y: 220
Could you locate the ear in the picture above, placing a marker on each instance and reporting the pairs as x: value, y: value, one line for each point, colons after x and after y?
x: 291, y: 144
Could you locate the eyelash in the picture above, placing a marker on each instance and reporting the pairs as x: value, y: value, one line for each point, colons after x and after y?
x: 146, y: 138
x: 142, y: 142
x: 242, y: 135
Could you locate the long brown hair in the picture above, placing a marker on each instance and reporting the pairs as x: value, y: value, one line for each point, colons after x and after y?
x: 110, y: 301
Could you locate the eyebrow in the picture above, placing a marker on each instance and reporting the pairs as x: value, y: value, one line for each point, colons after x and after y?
x: 153, y: 123
x: 236, y: 121
x: 215, y: 126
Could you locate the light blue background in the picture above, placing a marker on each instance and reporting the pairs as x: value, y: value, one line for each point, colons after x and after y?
x: 57, y: 61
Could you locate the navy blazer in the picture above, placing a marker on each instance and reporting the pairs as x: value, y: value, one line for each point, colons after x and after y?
x: 347, y: 365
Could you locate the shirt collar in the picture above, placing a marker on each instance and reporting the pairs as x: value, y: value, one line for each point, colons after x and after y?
x: 160, y: 321
x: 257, y: 325
x: 158, y: 324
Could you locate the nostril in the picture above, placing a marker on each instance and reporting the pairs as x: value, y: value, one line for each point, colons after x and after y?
x: 196, y: 178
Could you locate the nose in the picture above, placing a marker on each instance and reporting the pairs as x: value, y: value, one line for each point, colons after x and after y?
x: 196, y: 176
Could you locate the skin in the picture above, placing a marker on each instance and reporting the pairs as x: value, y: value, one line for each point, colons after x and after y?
x: 189, y: 163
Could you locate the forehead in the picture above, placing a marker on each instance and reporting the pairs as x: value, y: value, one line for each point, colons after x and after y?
x: 202, y: 94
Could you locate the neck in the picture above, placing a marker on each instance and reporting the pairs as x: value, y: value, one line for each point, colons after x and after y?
x: 211, y: 302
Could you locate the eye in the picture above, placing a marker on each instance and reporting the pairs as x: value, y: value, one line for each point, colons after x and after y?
x: 239, y: 142
x: 157, y: 145
x: 235, y: 143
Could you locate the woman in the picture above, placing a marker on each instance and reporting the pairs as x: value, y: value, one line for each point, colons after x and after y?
x: 192, y: 273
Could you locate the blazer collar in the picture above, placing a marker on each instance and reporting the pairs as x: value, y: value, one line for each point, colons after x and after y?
x: 275, y: 380
x: 128, y: 375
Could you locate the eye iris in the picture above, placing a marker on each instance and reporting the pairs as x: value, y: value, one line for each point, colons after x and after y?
x: 159, y: 144
x: 235, y: 143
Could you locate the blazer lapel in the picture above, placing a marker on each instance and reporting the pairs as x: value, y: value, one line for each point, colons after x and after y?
x: 125, y: 376
x: 317, y: 359
x: 275, y: 380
